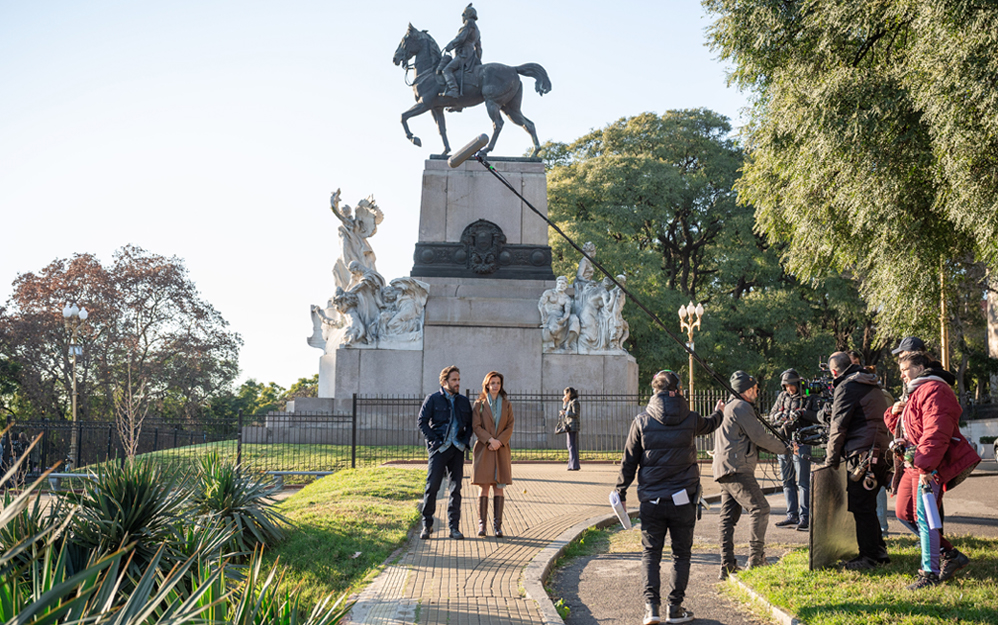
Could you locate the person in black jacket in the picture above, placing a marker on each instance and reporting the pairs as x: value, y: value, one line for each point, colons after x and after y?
x: 662, y: 442
x: 858, y: 434
x: 445, y: 421
x: 793, y: 410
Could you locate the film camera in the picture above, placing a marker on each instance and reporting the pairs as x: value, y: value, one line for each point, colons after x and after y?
x: 818, y: 391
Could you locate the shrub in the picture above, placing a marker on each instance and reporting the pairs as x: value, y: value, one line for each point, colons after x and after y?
x: 138, y: 503
x: 225, y: 492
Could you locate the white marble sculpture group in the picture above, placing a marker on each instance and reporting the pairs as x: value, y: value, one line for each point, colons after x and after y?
x: 365, y: 312
x: 591, y: 322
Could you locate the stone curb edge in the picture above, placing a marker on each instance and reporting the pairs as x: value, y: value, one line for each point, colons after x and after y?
x: 777, y: 613
x: 539, y: 569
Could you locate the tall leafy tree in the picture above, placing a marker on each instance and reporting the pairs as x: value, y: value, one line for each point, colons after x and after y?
x: 872, y: 141
x: 150, y: 336
x: 655, y: 194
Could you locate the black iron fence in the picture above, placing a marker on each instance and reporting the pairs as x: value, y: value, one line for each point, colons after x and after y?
x: 373, y: 430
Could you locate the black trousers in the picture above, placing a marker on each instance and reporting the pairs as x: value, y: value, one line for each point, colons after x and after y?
x: 863, y: 505
x: 451, y: 462
x: 678, y: 521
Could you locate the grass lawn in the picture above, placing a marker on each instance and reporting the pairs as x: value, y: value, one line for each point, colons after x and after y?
x: 833, y: 597
x: 347, y: 524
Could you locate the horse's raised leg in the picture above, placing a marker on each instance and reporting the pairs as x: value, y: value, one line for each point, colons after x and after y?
x: 512, y: 110
x: 438, y: 116
x: 494, y: 113
x: 417, y: 109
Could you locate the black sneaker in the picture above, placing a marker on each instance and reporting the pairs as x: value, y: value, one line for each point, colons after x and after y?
x: 426, y: 532
x: 861, y: 563
x: 803, y: 527
x: 456, y: 535
x: 651, y: 614
x: 924, y: 581
x: 679, y: 614
x: 728, y: 570
x: 951, y: 562
x: 787, y: 522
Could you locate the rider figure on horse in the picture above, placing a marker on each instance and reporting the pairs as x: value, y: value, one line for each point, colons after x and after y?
x: 467, y: 47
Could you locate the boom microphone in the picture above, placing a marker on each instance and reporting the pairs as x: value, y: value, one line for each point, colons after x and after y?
x: 469, y: 150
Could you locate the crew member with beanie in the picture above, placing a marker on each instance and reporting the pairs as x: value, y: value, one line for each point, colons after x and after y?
x: 736, y: 454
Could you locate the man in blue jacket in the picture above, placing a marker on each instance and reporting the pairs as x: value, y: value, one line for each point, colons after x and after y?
x: 661, y: 448
x: 445, y: 421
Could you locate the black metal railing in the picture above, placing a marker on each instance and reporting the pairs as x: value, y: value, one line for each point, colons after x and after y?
x: 370, y: 430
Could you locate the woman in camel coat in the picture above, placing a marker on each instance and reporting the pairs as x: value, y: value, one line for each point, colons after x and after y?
x: 492, y: 422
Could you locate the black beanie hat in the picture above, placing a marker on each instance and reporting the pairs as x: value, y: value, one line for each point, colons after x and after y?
x: 741, y: 381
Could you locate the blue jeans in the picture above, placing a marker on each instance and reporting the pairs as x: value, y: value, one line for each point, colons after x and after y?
x: 796, y: 475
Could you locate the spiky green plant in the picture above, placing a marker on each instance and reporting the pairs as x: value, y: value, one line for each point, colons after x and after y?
x: 243, y: 500
x: 136, y: 503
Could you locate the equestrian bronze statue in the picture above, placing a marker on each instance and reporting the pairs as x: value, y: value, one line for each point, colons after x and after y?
x: 453, y: 83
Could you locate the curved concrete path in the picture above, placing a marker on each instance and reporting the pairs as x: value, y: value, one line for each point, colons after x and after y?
x: 481, y: 580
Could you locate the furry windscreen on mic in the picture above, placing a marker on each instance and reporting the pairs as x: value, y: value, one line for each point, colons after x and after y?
x: 469, y: 150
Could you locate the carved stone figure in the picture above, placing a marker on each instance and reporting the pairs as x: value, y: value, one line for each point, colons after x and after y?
x: 559, y: 327
x: 495, y: 84
x: 366, y: 285
x: 401, y: 320
x: 467, y: 47
x: 355, y: 332
x: 615, y: 328
x: 589, y: 298
x: 354, y: 232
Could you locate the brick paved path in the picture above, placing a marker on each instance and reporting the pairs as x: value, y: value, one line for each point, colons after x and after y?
x: 478, y: 580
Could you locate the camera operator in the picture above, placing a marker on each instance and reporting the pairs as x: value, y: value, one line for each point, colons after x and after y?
x: 858, y: 434
x: 662, y: 442
x: 736, y: 454
x: 791, y: 411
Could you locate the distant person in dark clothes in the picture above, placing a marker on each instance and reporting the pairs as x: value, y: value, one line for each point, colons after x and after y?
x: 661, y: 448
x: 445, y: 421
x: 570, y: 412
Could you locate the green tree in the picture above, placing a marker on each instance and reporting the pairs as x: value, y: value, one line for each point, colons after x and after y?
x: 872, y: 141
x: 654, y: 193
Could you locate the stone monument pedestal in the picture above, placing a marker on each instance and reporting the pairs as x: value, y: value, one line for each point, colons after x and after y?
x: 486, y: 257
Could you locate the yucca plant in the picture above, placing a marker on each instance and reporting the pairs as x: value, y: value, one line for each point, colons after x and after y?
x: 266, y: 601
x: 138, y: 504
x: 225, y: 491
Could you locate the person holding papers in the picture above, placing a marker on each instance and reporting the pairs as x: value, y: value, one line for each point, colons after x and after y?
x: 661, y: 448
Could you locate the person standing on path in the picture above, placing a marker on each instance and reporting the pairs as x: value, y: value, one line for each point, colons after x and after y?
x: 858, y: 435
x: 736, y: 454
x: 571, y: 415
x: 445, y: 421
x: 492, y: 422
x: 937, y: 452
x: 793, y: 410
x: 661, y: 448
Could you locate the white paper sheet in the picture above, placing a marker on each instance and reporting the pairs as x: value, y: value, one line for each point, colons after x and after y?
x: 618, y: 508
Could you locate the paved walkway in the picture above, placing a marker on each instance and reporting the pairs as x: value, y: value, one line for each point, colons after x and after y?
x: 479, y: 580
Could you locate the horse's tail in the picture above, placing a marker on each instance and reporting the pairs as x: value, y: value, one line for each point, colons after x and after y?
x: 535, y: 71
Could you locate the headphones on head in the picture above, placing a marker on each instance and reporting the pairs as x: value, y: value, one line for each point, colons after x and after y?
x: 671, y: 378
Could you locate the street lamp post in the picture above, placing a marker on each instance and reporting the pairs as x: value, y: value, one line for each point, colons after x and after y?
x: 74, y: 317
x: 689, y: 320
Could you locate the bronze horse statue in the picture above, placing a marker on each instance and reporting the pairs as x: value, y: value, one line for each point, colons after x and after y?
x: 495, y: 84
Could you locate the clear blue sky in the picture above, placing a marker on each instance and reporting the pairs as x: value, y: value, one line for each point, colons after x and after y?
x: 215, y: 131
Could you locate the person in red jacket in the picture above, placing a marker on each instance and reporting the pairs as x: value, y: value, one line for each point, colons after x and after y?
x: 937, y: 457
